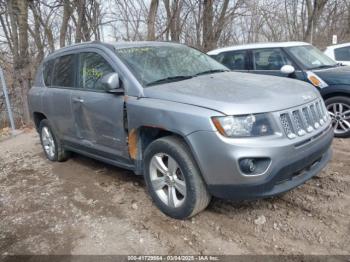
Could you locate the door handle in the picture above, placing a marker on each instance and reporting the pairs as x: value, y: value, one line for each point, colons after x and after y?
x: 78, y: 100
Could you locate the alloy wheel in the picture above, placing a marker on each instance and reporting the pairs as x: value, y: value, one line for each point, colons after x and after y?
x: 340, y: 114
x: 48, y: 142
x: 167, y: 180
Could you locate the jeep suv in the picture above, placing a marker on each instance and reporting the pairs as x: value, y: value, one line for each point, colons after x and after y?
x: 191, y: 127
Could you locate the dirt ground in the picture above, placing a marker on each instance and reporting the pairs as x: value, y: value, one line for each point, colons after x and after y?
x: 83, y: 206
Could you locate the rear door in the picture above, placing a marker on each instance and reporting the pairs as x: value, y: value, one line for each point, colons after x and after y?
x: 59, y: 77
x: 234, y: 60
x: 98, y: 115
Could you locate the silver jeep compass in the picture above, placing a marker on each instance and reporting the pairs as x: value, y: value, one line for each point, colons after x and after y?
x: 182, y: 120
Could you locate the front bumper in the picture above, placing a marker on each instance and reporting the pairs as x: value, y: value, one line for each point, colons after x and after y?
x: 292, y: 163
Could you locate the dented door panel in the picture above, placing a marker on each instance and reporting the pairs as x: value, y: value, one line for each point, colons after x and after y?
x: 98, y: 120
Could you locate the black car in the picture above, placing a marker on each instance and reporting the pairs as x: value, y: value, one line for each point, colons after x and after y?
x: 301, y: 61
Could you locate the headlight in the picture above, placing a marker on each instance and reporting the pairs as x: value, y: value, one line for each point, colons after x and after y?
x: 316, y: 80
x: 244, y: 125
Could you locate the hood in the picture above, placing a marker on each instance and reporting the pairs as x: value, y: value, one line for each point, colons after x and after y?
x: 236, y: 93
x: 335, y: 76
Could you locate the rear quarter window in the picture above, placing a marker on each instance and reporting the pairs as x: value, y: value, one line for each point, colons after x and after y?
x: 47, y: 72
x: 63, y: 75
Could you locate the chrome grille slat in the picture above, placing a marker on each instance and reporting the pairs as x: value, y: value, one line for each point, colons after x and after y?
x: 314, y: 116
x: 308, y: 119
x: 287, y: 125
x: 299, y: 121
x: 320, y: 113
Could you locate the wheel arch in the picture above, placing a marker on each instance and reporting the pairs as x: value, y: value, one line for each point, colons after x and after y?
x: 37, y: 118
x: 139, y: 139
x: 334, y: 94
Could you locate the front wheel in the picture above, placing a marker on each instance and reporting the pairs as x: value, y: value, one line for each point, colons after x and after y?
x: 339, y: 109
x: 173, y: 178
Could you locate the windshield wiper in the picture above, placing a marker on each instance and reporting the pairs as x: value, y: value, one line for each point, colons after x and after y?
x: 324, y: 66
x: 212, y: 72
x: 168, y: 80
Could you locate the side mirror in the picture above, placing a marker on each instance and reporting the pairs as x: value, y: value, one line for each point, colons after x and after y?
x: 111, y: 83
x: 287, y: 69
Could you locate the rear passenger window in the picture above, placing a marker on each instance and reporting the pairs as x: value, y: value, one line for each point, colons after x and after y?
x: 269, y: 59
x: 234, y: 60
x: 92, y: 68
x: 64, y: 71
x: 48, y: 69
x: 342, y: 54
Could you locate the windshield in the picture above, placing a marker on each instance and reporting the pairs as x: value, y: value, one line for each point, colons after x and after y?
x: 160, y: 64
x: 311, y: 57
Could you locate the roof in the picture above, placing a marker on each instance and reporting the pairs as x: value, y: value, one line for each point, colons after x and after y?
x: 112, y: 45
x: 119, y: 45
x: 116, y: 45
x: 332, y: 47
x: 256, y: 45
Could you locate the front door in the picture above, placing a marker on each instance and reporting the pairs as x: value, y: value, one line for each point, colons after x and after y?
x: 269, y: 61
x: 98, y: 114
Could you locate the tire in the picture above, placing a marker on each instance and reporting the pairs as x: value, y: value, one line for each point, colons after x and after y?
x: 339, y: 109
x: 59, y: 153
x: 195, y: 196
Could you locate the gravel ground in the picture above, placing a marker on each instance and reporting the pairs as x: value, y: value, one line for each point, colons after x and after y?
x: 83, y: 206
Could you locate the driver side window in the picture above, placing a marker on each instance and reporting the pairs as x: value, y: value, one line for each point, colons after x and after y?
x: 92, y: 68
x: 269, y: 59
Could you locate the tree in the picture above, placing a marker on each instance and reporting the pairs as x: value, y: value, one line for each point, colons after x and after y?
x: 314, y: 10
x: 67, y: 13
x: 214, y: 25
x: 18, y: 12
x: 151, y: 31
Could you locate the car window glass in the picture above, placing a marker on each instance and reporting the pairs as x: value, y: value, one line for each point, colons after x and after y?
x: 342, y: 54
x: 48, y: 69
x: 310, y: 57
x: 92, y: 68
x: 153, y: 63
x: 64, y: 71
x: 234, y: 60
x: 269, y: 59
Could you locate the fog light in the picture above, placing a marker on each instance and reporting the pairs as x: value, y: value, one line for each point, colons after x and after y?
x: 254, y: 166
x: 247, y: 166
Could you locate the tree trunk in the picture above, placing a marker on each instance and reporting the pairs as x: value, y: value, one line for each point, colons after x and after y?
x: 173, y: 17
x: 67, y: 12
x: 36, y: 34
x: 208, y: 18
x: 22, y: 65
x: 151, y: 27
x: 80, y: 5
x: 314, y: 11
x: 13, y: 12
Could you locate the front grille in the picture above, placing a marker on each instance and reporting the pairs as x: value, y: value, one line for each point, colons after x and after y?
x: 303, y: 120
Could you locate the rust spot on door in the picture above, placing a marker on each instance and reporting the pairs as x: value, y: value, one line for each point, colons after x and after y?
x: 133, y: 137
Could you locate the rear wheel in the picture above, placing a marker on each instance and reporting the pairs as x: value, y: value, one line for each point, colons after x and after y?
x: 339, y: 110
x: 52, y: 147
x: 173, y: 178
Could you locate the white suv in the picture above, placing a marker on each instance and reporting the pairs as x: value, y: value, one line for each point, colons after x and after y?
x: 340, y: 53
